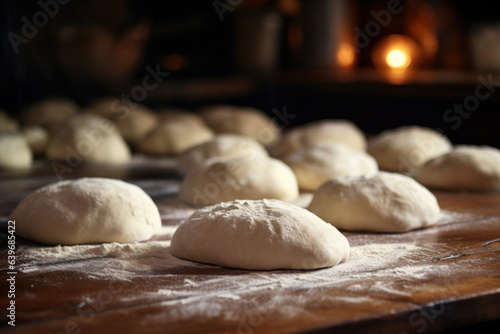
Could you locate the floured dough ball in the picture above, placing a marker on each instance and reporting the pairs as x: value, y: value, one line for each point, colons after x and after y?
x: 323, y: 131
x: 7, y: 123
x: 171, y: 114
x: 133, y: 122
x: 259, y: 235
x: 174, y: 137
x: 37, y: 138
x: 464, y: 168
x: 319, y: 163
x: 382, y: 202
x: 108, y: 106
x: 244, y: 121
x: 221, y: 146
x: 49, y: 112
x: 14, y: 151
x: 82, y: 119
x: 92, y: 139
x: 406, y: 148
x: 136, y: 124
x: 218, y: 180
x: 87, y: 210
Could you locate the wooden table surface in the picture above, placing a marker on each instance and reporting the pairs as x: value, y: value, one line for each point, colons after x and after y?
x: 423, y: 281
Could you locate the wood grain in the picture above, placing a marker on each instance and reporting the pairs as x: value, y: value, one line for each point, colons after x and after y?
x: 428, y: 280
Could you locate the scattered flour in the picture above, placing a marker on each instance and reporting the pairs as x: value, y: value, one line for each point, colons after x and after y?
x: 188, y: 290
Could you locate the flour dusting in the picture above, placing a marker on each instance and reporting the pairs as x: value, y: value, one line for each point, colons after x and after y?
x: 373, y: 271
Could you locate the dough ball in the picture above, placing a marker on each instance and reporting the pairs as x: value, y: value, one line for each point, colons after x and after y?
x: 221, y: 146
x: 244, y: 121
x: 136, y: 123
x: 464, y: 168
x: 175, y: 114
x: 219, y: 180
x: 133, y: 122
x: 323, y: 131
x: 7, y: 123
x: 382, y: 202
x: 94, y: 139
x: 319, y: 163
x: 174, y: 137
x: 37, y: 138
x: 14, y: 151
x: 87, y: 210
x: 82, y: 119
x: 259, y: 235
x: 108, y: 106
x: 50, y: 111
x: 406, y: 148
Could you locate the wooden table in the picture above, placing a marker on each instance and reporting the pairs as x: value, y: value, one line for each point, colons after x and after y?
x: 429, y: 280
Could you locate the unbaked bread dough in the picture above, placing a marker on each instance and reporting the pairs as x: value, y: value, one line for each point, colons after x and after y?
x: 7, y: 123
x: 170, y: 114
x: 322, y: 131
x: 245, y: 121
x: 37, y: 138
x: 221, y: 146
x: 218, y: 180
x: 406, y: 148
x: 14, y: 151
x: 319, y: 163
x: 112, y: 107
x: 108, y: 106
x: 382, y: 202
x: 49, y: 111
x: 464, y: 168
x: 174, y: 137
x: 259, y: 235
x: 87, y: 210
x: 88, y: 138
x: 135, y: 124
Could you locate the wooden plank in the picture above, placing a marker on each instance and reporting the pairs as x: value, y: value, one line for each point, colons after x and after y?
x: 427, y: 280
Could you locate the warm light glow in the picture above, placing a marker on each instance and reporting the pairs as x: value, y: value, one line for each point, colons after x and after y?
x: 398, y: 59
x: 345, y: 56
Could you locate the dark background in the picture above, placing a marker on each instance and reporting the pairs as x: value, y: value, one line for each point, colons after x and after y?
x: 206, y: 45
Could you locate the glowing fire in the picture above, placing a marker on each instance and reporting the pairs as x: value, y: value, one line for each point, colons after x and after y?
x: 345, y: 56
x: 397, y: 58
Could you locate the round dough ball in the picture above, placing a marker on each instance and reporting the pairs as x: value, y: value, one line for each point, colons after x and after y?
x: 87, y: 210
x: 7, y: 123
x: 94, y: 140
x: 50, y: 111
x: 464, y: 168
x: 37, y: 138
x: 259, y: 235
x: 136, y: 123
x: 174, y: 137
x: 82, y: 119
x: 406, y: 148
x: 382, y: 202
x: 170, y: 114
x: 323, y: 131
x: 244, y: 121
x: 108, y: 106
x: 316, y: 164
x: 14, y: 151
x: 225, y: 146
x: 219, y: 180
x: 112, y: 107
x: 133, y: 122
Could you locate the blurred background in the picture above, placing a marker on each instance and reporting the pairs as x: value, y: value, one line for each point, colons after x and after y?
x: 381, y: 64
